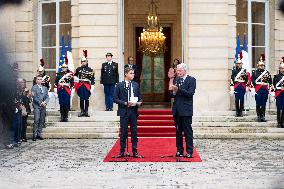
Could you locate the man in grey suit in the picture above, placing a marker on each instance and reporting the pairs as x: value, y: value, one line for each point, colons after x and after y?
x: 40, y: 100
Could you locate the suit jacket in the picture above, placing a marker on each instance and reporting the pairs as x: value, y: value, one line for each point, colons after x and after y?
x: 136, y: 71
x: 109, y: 73
x: 39, y: 96
x: 183, y: 103
x: 121, y: 96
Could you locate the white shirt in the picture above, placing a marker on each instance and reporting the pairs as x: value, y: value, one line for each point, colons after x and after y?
x: 40, y: 88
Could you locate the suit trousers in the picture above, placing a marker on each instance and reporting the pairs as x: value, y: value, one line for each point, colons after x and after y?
x: 39, y: 119
x: 109, y: 92
x: 183, y: 124
x: 129, y: 118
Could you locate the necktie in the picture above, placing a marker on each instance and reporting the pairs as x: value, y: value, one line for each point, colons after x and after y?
x: 41, y: 89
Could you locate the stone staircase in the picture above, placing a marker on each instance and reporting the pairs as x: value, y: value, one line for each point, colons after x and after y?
x: 103, y: 124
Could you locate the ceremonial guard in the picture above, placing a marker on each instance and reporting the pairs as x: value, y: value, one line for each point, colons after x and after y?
x: 84, y: 84
x: 128, y: 97
x: 261, y: 83
x: 109, y: 78
x: 63, y: 85
x: 240, y: 80
x: 278, y: 83
x: 45, y: 78
x: 134, y: 67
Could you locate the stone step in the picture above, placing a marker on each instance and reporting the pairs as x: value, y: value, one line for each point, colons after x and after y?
x: 269, y: 136
x: 194, y: 124
x: 76, y: 113
x: 77, y: 135
x: 80, y: 119
x: 78, y: 130
x: 251, y: 118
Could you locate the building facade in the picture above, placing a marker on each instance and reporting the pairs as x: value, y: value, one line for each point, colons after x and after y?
x: 201, y: 33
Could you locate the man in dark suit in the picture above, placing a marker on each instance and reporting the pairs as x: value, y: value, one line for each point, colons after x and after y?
x: 182, y: 91
x: 127, y: 96
x: 109, y: 78
x: 40, y: 100
x: 134, y: 67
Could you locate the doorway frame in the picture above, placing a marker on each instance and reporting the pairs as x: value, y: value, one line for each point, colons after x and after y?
x: 121, y: 33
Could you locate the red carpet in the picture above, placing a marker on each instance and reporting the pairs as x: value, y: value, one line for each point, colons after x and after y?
x: 152, y: 149
x: 155, y: 123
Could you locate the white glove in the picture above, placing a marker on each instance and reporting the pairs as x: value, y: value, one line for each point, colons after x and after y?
x: 272, y: 94
x: 252, y: 90
x: 232, y: 93
x: 72, y: 92
x: 55, y: 90
x: 92, y: 89
x: 76, y: 79
x: 16, y: 111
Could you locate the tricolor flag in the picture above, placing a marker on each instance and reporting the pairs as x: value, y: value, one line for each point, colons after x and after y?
x: 62, y: 55
x: 245, y: 59
x: 238, y: 48
x: 69, y: 55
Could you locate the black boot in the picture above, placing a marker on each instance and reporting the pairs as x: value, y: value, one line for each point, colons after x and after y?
x: 61, y: 114
x: 86, y: 108
x: 82, y: 108
x: 66, y: 114
x: 263, y: 114
x: 258, y: 113
x: 237, y: 108
x: 241, y: 108
x: 282, y: 119
x: 279, y: 120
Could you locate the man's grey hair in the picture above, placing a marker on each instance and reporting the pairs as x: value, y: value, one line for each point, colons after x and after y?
x: 182, y: 66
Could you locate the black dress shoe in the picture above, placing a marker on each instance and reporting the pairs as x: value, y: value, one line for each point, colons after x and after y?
x: 34, y: 139
x: 188, y: 155
x: 136, y: 155
x: 179, y: 154
x: 81, y: 114
x: 120, y: 155
x: 87, y: 114
x: 25, y: 139
x: 39, y: 137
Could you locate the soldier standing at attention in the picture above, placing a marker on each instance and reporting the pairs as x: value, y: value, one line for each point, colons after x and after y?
x: 278, y: 83
x: 63, y: 85
x: 85, y: 81
x: 261, y: 81
x: 240, y: 79
x: 109, y: 78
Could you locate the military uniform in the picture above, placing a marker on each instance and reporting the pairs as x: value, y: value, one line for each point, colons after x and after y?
x: 45, y: 78
x: 109, y: 77
x: 261, y: 81
x: 86, y: 79
x: 240, y: 79
x: 278, y: 84
x: 64, y: 83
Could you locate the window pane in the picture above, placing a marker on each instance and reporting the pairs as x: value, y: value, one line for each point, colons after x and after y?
x: 256, y: 52
x: 258, y: 12
x: 64, y: 29
x: 49, y: 56
x: 242, y: 29
x: 48, y: 36
x: 242, y: 10
x: 65, y: 12
x: 258, y: 35
x: 48, y: 13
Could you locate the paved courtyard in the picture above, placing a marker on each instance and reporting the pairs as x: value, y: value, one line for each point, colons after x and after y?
x: 78, y: 164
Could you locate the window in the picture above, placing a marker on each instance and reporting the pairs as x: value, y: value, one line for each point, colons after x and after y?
x: 252, y: 19
x: 54, y: 21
